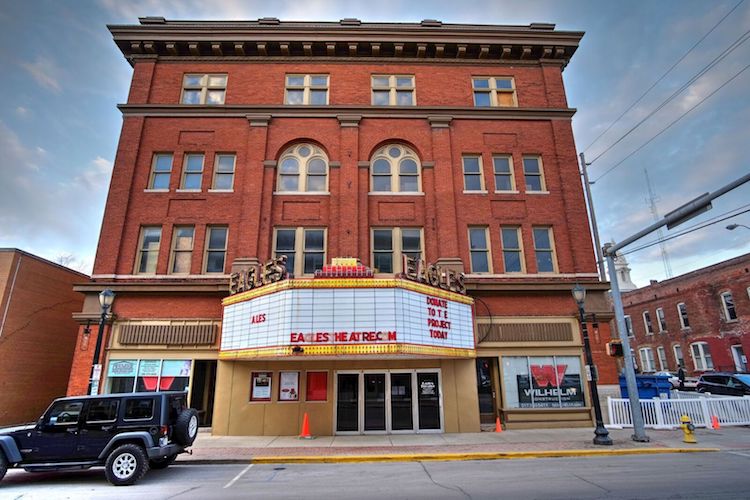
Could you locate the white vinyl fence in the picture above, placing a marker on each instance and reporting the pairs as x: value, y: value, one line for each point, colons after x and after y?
x: 665, y: 413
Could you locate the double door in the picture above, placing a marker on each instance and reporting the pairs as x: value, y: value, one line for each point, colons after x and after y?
x: 396, y: 401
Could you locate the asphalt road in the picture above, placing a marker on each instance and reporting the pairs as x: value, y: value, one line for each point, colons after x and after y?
x: 713, y: 476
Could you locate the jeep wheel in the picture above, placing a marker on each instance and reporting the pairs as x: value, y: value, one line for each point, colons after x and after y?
x: 162, y: 463
x: 126, y: 465
x: 3, y: 466
x: 186, y: 427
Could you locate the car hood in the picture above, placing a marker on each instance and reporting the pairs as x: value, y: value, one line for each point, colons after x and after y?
x: 19, y: 427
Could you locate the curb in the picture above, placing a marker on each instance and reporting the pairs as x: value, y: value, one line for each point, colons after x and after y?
x: 432, y: 457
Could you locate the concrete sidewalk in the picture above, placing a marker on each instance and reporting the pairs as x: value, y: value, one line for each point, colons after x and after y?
x: 484, y: 445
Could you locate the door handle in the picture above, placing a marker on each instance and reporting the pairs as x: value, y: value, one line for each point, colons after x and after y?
x: 107, y: 427
x: 71, y: 431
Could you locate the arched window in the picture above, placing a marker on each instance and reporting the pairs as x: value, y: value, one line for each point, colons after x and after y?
x: 303, y: 168
x: 395, y: 169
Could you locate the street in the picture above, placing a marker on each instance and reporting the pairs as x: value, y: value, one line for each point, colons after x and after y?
x: 721, y: 475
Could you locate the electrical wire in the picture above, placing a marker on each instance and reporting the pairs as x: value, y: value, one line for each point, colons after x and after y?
x: 670, y: 125
x: 662, y: 76
x: 735, y: 45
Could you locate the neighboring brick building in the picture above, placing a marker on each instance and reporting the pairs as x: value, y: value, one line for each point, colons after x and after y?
x: 702, y: 317
x: 451, y: 144
x: 37, y: 333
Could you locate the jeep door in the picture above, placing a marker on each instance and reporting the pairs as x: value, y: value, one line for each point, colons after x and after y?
x: 56, y: 437
x: 98, y: 426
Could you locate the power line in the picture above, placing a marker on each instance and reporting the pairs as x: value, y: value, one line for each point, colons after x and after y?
x: 735, y: 45
x: 672, y: 123
x: 663, y: 75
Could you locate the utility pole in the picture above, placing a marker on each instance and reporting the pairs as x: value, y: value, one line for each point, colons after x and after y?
x: 592, y: 216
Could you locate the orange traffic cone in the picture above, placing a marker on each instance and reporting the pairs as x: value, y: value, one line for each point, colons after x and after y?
x: 498, y: 427
x: 715, y: 423
x: 305, y: 434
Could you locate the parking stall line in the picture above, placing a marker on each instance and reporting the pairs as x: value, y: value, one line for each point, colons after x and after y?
x: 242, y: 473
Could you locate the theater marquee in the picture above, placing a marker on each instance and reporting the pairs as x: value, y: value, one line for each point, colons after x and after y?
x: 340, y: 317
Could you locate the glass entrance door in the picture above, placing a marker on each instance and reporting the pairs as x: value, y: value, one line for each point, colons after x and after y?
x: 347, y: 402
x: 374, y: 401
x: 402, y: 410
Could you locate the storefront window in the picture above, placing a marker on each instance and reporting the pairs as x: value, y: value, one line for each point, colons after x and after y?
x: 152, y: 375
x: 542, y: 382
x: 317, y: 386
x: 121, y: 374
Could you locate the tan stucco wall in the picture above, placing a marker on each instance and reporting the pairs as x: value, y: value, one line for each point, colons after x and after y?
x: 234, y: 414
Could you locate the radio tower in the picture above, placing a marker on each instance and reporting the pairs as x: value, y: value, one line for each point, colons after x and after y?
x: 652, y: 199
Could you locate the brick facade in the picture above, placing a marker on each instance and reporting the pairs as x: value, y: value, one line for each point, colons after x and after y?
x: 701, y: 293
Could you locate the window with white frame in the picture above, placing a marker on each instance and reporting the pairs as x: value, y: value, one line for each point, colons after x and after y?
x: 304, y: 247
x: 662, y: 354
x: 395, y: 169
x: 216, y: 249
x: 148, y: 249
x: 647, y: 359
x: 533, y: 174
x: 679, y: 359
x: 393, y: 90
x: 192, y: 172
x: 161, y: 170
x: 306, y: 89
x: 494, y: 91
x: 512, y: 249
x: 303, y: 169
x: 629, y: 326
x: 182, y: 249
x: 204, y: 89
x: 661, y: 319
x: 702, y: 356
x: 683, y: 314
x: 479, y: 248
x: 740, y: 360
x: 390, y: 244
x: 727, y: 302
x: 224, y: 172
x: 647, y: 323
x: 503, y: 169
x: 473, y: 178
x: 544, y: 250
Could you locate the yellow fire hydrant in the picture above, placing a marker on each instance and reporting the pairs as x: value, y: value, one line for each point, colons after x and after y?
x: 688, y: 429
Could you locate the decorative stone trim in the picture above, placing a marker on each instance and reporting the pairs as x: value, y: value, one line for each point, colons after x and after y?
x: 349, y: 120
x: 363, y: 164
x: 334, y: 164
x: 270, y: 163
x: 440, y: 121
x: 428, y: 164
x: 258, y: 120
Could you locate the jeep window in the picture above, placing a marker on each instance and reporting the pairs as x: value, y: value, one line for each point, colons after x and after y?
x: 65, y: 413
x: 139, y: 409
x: 102, y: 410
x: 176, y: 405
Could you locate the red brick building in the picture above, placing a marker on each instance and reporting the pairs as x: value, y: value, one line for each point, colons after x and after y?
x: 700, y: 320
x: 448, y: 144
x: 37, y: 333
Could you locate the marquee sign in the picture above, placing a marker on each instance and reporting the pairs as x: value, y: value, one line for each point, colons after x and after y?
x: 432, y: 274
x: 330, y: 317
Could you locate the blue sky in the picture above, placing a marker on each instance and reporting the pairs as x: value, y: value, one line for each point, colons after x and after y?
x: 63, y: 77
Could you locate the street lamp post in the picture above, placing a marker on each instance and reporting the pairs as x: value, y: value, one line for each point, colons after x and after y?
x: 106, y: 297
x: 602, y: 435
x: 732, y: 227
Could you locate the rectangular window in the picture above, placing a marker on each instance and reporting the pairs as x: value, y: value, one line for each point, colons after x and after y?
x: 224, y: 172
x: 288, y: 386
x: 161, y: 170
x: 306, y: 89
x: 393, y: 90
x: 317, y: 386
x: 647, y: 359
x: 260, y: 386
x: 390, y: 244
x: 533, y: 174
x: 473, y: 179
x: 102, y: 410
x: 629, y: 326
x: 304, y: 248
x: 730, y: 313
x: 677, y: 349
x: 139, y: 409
x: 192, y: 173
x: 512, y: 251
x: 65, y: 413
x: 544, y: 250
x: 204, y: 89
x: 662, y: 358
x: 503, y: 168
x: 182, y: 249
x: 682, y: 313
x: 647, y: 323
x: 542, y: 382
x: 702, y: 356
x: 480, y: 250
x: 216, y: 249
x: 148, y: 249
x: 661, y: 319
x: 494, y: 91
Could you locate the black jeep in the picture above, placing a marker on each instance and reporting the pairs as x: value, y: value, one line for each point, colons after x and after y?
x: 126, y: 433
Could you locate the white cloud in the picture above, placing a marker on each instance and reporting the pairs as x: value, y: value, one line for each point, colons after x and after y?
x: 16, y: 154
x: 23, y: 112
x: 96, y: 176
x: 45, y: 72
